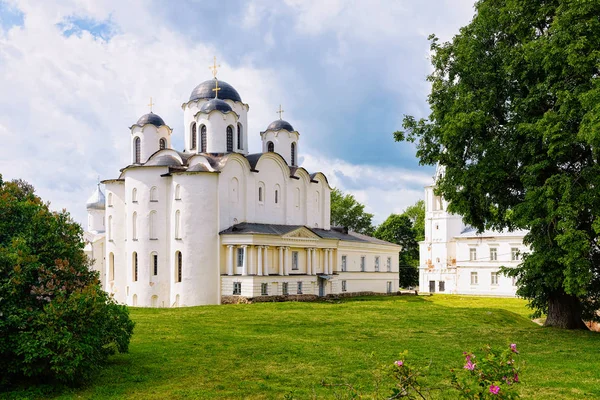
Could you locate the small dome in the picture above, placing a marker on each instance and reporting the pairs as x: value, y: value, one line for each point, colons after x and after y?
x: 152, y: 119
x: 215, y: 104
x: 96, y: 200
x: 205, y: 91
x: 279, y: 125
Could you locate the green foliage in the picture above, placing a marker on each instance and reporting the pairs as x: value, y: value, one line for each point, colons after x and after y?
x: 515, y: 121
x: 55, y: 320
x: 346, y: 211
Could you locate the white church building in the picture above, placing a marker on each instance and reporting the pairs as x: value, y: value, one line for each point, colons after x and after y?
x: 455, y: 259
x: 184, y: 228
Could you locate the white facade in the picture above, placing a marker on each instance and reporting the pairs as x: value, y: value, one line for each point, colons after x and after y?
x: 185, y: 228
x: 455, y: 259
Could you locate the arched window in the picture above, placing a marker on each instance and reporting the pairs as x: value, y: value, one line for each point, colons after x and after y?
x: 134, y: 262
x: 193, y: 138
x: 203, y: 138
x: 177, y: 192
x: 162, y: 143
x: 152, y: 225
x: 134, y: 300
x: 177, y: 224
x: 134, y: 226
x: 276, y: 196
x: 229, y: 139
x: 110, y: 199
x: 110, y: 228
x: 179, y: 269
x: 134, y: 195
x: 240, y: 138
x: 270, y: 147
x: 111, y: 267
x: 137, y: 143
x: 153, y: 263
x: 260, y: 194
x: 293, y: 154
x: 153, y: 194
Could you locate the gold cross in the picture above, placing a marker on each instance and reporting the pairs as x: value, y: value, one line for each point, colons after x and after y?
x: 151, y: 104
x: 280, y: 111
x: 214, y: 67
x: 216, y: 89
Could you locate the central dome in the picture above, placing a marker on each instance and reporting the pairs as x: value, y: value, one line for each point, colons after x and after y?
x: 205, y: 91
x: 279, y: 125
x: 215, y: 104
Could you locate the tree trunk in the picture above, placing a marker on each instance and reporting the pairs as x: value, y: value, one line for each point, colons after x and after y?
x: 564, y: 311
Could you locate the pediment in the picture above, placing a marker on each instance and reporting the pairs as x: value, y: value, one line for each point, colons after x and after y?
x: 301, y: 233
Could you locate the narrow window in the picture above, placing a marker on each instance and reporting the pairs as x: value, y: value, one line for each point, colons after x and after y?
x: 297, y: 197
x: 110, y: 228
x: 134, y: 226
x: 514, y: 254
x: 240, y: 139
x: 177, y: 224
x: 494, y: 278
x: 152, y: 225
x: 389, y: 264
x: 203, y: 138
x: 264, y: 289
x: 270, y: 147
x: 442, y: 286
x: 193, y: 137
x: 299, y: 291
x: 179, y: 270
x: 162, y: 144
x: 362, y: 264
x: 135, y: 267
x: 284, y: 289
x: 493, y: 254
x: 237, y: 288
x: 389, y: 287
x: 474, y: 279
x: 134, y: 195
x: 154, y: 264
x: 343, y: 286
x: 110, y: 199
x: 177, y: 192
x: 229, y: 139
x: 343, y: 263
x: 111, y: 267
x: 377, y: 264
x: 276, y: 196
x: 138, y: 149
x: 154, y: 194
x: 260, y: 194
x: 473, y: 254
x: 294, y: 260
x: 293, y: 153
x: 240, y: 257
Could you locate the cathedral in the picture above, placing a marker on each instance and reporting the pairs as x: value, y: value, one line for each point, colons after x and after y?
x: 185, y: 228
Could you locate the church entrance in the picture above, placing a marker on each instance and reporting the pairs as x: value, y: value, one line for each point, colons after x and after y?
x: 322, y: 287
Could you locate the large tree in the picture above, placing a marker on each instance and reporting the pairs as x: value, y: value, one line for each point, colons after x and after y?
x: 56, y: 322
x: 515, y: 120
x: 346, y: 211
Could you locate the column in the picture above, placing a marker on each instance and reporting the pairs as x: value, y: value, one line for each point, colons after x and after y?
x: 308, y: 266
x: 314, y: 261
x: 266, y: 261
x: 259, y: 266
x: 326, y: 261
x: 245, y: 260
x: 281, y: 261
x: 286, y: 265
x: 229, y: 260
x: 331, y: 261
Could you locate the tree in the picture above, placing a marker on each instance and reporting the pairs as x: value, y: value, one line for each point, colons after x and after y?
x: 515, y: 121
x: 406, y: 229
x: 55, y: 320
x: 346, y: 211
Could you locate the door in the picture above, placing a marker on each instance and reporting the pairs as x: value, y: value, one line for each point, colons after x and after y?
x: 321, y: 287
x: 431, y: 286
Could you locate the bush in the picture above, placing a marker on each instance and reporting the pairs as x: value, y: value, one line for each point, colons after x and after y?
x: 56, y: 323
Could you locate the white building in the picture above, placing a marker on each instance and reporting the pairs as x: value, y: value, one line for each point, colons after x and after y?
x: 455, y: 259
x: 184, y: 228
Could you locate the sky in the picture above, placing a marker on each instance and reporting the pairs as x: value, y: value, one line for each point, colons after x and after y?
x: 76, y: 74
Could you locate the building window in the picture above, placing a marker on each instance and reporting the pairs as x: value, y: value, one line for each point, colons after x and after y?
x: 389, y: 287
x: 362, y: 264
x: 229, y: 139
x: 193, y: 137
x: 134, y: 226
x: 473, y: 254
x: 162, y: 144
x: 203, y: 138
x: 237, y: 288
x: 442, y: 286
x: 135, y: 267
x: 154, y: 194
x: 270, y: 147
x: 154, y: 264
x: 276, y: 196
x: 389, y: 264
x: 134, y: 195
x: 514, y: 254
x: 299, y: 291
x: 494, y: 278
x: 110, y: 228
x: 177, y: 224
x: 240, y: 138
x: 111, y: 267
x: 493, y: 254
x: 294, y: 260
x: 138, y: 150
x: 179, y: 270
x: 474, y: 279
x: 152, y: 224
x: 110, y: 199
x: 343, y: 263
x: 240, y: 257
x: 297, y: 197
x: 260, y: 194
x: 293, y: 153
x: 264, y: 289
x: 284, y: 288
x: 377, y: 264
x: 178, y: 192
x: 344, y: 286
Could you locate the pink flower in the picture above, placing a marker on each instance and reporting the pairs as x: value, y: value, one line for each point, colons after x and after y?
x: 516, y: 378
x: 513, y: 347
x: 469, y: 365
x: 399, y: 363
x: 494, y: 389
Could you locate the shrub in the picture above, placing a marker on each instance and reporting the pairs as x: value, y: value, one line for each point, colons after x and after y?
x: 55, y: 320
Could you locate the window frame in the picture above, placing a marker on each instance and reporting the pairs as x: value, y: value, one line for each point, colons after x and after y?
x: 474, y: 278
x: 135, y: 267
x: 389, y: 264
x: 363, y: 263
x: 299, y: 288
x: 229, y: 139
x: 376, y: 263
x: 154, y: 264
x: 285, y: 289
x: 514, y: 254
x: 473, y: 254
x: 240, y: 257
x: 295, y: 261
x: 494, y: 278
x: 237, y: 288
x: 344, y: 286
x: 264, y: 289
x: 493, y: 254
x: 179, y: 267
x: 344, y: 263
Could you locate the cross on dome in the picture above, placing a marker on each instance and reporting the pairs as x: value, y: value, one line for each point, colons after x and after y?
x: 217, y: 88
x: 214, y: 67
x: 151, y: 104
x: 280, y: 111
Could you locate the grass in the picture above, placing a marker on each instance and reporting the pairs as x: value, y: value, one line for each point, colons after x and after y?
x: 274, y: 350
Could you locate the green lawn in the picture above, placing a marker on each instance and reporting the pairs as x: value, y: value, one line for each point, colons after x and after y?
x: 269, y: 350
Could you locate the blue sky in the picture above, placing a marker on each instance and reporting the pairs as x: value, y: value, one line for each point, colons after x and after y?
x: 76, y: 74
